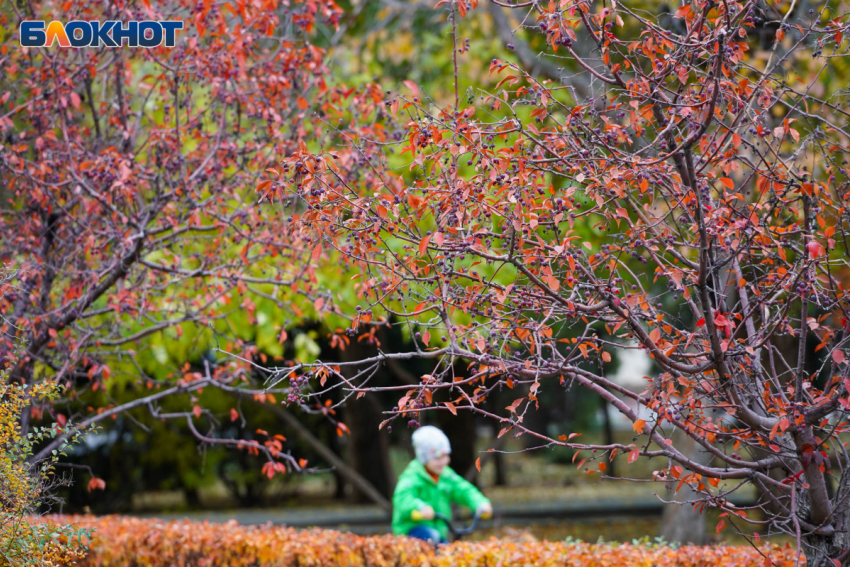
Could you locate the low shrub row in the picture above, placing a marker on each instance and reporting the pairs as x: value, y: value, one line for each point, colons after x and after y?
x: 121, y: 541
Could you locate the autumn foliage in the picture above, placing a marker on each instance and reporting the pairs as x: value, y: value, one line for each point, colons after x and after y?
x: 123, y: 541
x: 128, y: 209
x: 673, y: 192
x: 681, y: 189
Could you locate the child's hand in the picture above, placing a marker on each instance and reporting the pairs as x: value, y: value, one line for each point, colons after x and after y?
x: 485, y: 510
x: 426, y: 513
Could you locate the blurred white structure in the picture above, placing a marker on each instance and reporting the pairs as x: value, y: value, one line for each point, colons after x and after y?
x: 634, y: 365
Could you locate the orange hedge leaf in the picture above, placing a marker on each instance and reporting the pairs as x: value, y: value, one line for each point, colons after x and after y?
x: 121, y: 541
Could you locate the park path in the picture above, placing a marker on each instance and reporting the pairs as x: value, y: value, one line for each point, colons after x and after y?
x: 367, y: 519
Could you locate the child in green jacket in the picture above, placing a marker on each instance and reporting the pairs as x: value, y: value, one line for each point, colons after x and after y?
x: 428, y: 486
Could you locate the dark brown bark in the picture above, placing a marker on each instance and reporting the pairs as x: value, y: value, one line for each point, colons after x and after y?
x: 360, y: 483
x: 368, y: 446
x: 501, y: 471
x: 608, y: 430
x: 460, y: 430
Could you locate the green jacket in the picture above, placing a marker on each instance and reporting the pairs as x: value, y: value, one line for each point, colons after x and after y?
x: 416, y: 489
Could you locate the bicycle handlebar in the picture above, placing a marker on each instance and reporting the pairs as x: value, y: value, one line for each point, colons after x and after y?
x: 460, y: 531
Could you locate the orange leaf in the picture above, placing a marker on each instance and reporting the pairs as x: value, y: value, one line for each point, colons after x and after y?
x: 639, y: 425
x: 423, y: 245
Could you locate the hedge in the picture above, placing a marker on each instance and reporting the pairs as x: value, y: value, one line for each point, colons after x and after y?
x: 121, y: 541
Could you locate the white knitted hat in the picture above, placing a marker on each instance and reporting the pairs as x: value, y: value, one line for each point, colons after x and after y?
x: 430, y: 443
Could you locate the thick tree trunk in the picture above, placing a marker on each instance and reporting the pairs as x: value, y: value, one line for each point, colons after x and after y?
x: 680, y: 523
x: 501, y: 470
x: 823, y: 550
x: 339, y: 480
x: 360, y: 484
x: 460, y: 430
x: 369, y: 447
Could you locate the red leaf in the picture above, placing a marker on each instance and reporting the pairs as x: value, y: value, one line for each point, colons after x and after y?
x: 423, y: 245
x: 234, y: 415
x: 197, y: 411
x: 268, y: 469
x: 814, y: 248
x: 414, y: 90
